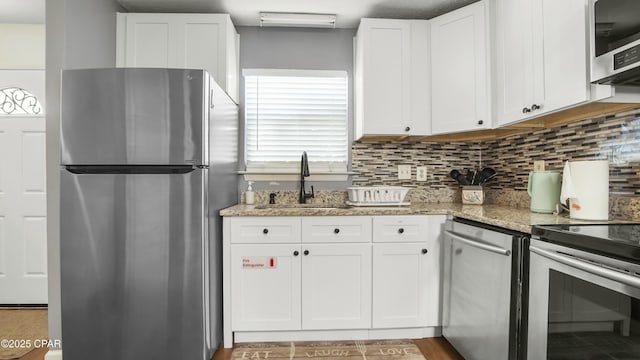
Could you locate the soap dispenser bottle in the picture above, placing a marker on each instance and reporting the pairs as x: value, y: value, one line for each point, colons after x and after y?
x: 249, y: 198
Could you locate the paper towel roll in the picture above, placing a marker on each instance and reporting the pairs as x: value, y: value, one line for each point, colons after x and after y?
x: 586, y: 185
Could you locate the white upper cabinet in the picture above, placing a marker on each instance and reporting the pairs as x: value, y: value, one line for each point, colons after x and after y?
x: 192, y: 41
x: 460, y: 70
x: 541, y: 57
x: 392, y: 78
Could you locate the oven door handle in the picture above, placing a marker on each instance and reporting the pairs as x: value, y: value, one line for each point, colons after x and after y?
x: 588, y: 267
x: 477, y: 244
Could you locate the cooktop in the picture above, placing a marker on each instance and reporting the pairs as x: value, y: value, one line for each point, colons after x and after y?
x: 620, y: 241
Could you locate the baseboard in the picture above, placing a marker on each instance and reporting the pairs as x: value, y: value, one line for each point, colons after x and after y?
x: 336, y: 335
x: 53, y: 355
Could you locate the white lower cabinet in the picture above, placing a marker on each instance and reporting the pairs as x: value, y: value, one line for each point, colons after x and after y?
x: 406, y: 271
x: 336, y: 286
x: 266, y: 286
x: 351, y: 273
x: 399, y: 289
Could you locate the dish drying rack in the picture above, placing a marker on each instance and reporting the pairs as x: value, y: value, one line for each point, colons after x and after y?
x: 377, y: 195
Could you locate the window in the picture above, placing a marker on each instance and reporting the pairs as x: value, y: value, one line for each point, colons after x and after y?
x: 17, y: 101
x: 291, y: 111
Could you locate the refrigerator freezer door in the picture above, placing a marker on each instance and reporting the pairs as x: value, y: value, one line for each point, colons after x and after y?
x: 134, y: 275
x: 130, y: 116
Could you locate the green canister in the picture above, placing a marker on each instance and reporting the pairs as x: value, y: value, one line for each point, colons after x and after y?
x: 544, y: 190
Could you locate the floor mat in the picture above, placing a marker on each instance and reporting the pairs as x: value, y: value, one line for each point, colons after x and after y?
x: 371, y: 350
x: 19, y: 330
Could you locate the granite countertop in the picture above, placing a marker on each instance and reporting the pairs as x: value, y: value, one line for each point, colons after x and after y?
x: 518, y: 219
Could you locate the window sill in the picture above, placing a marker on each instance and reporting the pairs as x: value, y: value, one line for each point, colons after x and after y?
x: 295, y: 176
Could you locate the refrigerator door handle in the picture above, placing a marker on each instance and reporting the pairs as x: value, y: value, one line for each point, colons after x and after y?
x: 130, y: 169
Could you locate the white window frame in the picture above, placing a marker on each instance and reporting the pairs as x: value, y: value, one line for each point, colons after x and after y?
x: 290, y: 170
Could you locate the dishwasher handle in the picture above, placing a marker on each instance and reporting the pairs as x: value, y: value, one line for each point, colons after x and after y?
x: 480, y: 245
x: 588, y: 267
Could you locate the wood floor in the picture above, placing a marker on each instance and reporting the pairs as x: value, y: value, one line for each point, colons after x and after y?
x: 431, y: 348
x: 35, y: 354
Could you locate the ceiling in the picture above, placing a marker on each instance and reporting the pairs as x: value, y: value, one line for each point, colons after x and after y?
x: 349, y: 12
x: 22, y: 11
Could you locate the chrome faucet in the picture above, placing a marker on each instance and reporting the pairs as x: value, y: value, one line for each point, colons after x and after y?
x: 304, y: 172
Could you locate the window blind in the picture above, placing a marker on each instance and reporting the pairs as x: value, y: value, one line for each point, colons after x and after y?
x: 290, y: 112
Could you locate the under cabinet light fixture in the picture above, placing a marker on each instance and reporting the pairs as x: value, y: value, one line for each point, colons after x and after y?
x: 298, y: 20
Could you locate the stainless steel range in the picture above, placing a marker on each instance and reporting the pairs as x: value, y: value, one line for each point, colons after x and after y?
x: 584, y: 292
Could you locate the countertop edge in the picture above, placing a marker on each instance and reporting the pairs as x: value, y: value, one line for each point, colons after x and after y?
x: 517, y: 219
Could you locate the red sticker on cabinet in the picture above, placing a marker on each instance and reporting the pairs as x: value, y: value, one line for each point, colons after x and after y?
x: 259, y: 262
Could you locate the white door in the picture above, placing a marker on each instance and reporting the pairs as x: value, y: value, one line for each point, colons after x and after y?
x: 336, y: 286
x: 386, y: 61
x: 402, y: 286
x: 148, y: 41
x: 265, y: 287
x: 460, y: 70
x: 23, y: 241
x: 514, y: 60
x: 563, y: 79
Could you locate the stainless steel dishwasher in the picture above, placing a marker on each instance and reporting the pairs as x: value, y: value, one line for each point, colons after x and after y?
x: 485, y: 276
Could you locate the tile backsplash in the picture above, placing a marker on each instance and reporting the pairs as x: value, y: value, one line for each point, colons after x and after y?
x: 614, y: 137
x: 376, y: 163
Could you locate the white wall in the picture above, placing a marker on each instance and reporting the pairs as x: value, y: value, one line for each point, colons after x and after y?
x: 22, y: 46
x: 80, y: 34
x: 295, y: 48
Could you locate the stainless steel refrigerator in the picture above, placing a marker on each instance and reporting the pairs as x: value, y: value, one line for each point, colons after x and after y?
x: 148, y: 158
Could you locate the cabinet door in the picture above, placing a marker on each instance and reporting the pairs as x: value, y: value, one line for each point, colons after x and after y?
x: 514, y: 59
x: 148, y: 41
x: 265, y: 283
x: 419, y: 121
x: 562, y: 70
x: 191, y: 41
x: 203, y: 42
x: 403, y: 294
x: 385, y: 50
x: 336, y: 287
x: 460, y: 70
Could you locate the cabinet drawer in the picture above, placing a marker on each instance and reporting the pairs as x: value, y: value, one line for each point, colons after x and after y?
x: 264, y: 230
x: 336, y: 229
x: 400, y: 228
